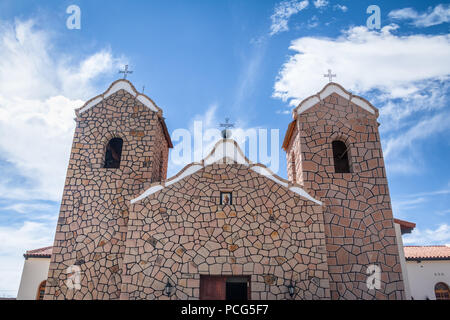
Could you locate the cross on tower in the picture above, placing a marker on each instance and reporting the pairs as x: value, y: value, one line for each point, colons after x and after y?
x: 225, y: 132
x: 125, y: 72
x: 329, y: 75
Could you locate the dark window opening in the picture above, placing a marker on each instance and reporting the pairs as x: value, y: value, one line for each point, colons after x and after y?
x: 442, y: 291
x: 41, y: 291
x: 236, y: 288
x: 113, y: 153
x: 340, y: 155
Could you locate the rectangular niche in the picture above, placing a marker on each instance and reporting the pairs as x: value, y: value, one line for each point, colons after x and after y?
x: 226, y: 198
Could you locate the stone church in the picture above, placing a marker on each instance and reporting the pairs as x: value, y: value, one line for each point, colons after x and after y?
x: 225, y: 228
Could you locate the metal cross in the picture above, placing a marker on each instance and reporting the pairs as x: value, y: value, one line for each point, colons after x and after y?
x: 225, y: 132
x: 329, y: 75
x: 125, y: 72
x: 143, y: 88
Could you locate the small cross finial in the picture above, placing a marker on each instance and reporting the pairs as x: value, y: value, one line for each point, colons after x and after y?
x: 329, y: 75
x: 143, y: 88
x: 125, y: 72
x: 226, y: 133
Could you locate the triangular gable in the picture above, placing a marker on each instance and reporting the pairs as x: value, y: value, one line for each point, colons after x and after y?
x: 117, y: 85
x: 226, y: 151
x: 329, y: 89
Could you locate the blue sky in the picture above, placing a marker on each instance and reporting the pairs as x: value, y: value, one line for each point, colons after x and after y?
x: 252, y: 61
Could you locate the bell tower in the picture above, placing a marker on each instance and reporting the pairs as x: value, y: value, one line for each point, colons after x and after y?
x: 333, y: 149
x: 120, y: 147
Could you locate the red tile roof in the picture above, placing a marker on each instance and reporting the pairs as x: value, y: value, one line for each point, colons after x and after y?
x: 45, y: 252
x: 427, y: 252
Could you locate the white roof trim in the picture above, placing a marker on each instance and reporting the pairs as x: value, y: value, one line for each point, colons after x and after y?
x: 147, y: 102
x: 266, y: 172
x: 304, y: 194
x: 120, y: 85
x: 308, y: 104
x: 189, y: 171
x: 333, y: 89
x: 225, y: 149
x: 328, y: 90
x: 148, y: 192
x: 362, y: 104
x: 91, y: 104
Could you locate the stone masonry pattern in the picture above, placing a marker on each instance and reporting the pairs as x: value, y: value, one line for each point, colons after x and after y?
x: 276, y: 237
x: 268, y: 233
x: 359, y: 225
x: 94, y: 212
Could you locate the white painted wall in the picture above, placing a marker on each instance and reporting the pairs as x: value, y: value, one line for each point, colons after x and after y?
x: 401, y: 254
x: 35, y: 270
x: 424, y: 276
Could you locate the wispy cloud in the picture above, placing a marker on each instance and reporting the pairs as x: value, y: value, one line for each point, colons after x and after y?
x: 40, y: 90
x: 283, y: 11
x: 434, y: 16
x: 422, y: 130
x: 320, y: 3
x: 438, y: 236
x: 398, y: 80
x: 343, y: 8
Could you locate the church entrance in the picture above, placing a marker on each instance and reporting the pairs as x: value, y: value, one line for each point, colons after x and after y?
x: 224, y: 288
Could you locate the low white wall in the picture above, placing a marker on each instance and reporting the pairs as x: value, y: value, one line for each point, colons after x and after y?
x: 424, y: 275
x: 35, y: 270
x: 401, y: 254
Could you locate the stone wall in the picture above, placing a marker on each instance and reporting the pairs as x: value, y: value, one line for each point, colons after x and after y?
x: 92, y: 224
x: 182, y: 232
x: 359, y: 225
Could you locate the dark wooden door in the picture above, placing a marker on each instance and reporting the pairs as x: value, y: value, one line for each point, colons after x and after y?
x: 212, y: 288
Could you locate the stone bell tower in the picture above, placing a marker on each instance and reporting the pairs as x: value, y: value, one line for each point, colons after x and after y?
x: 333, y: 149
x: 120, y: 147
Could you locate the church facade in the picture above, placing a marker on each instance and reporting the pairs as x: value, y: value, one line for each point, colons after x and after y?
x: 225, y: 228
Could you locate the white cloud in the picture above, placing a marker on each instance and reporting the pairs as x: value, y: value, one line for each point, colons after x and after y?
x: 313, y: 22
x: 14, y: 242
x: 25, y: 208
x: 440, y: 14
x: 364, y: 60
x: 422, y: 130
x: 406, y: 77
x: 283, y: 11
x: 439, y: 236
x: 340, y: 7
x: 39, y: 92
x: 320, y: 3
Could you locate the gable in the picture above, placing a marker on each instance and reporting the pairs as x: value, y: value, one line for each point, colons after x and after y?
x: 328, y: 90
x: 117, y: 85
x: 226, y: 151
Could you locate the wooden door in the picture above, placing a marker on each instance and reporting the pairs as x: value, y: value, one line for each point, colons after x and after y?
x: 212, y: 288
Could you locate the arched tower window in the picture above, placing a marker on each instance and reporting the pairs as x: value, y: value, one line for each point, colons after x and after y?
x: 41, y: 291
x: 113, y: 153
x: 442, y: 291
x: 340, y: 155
